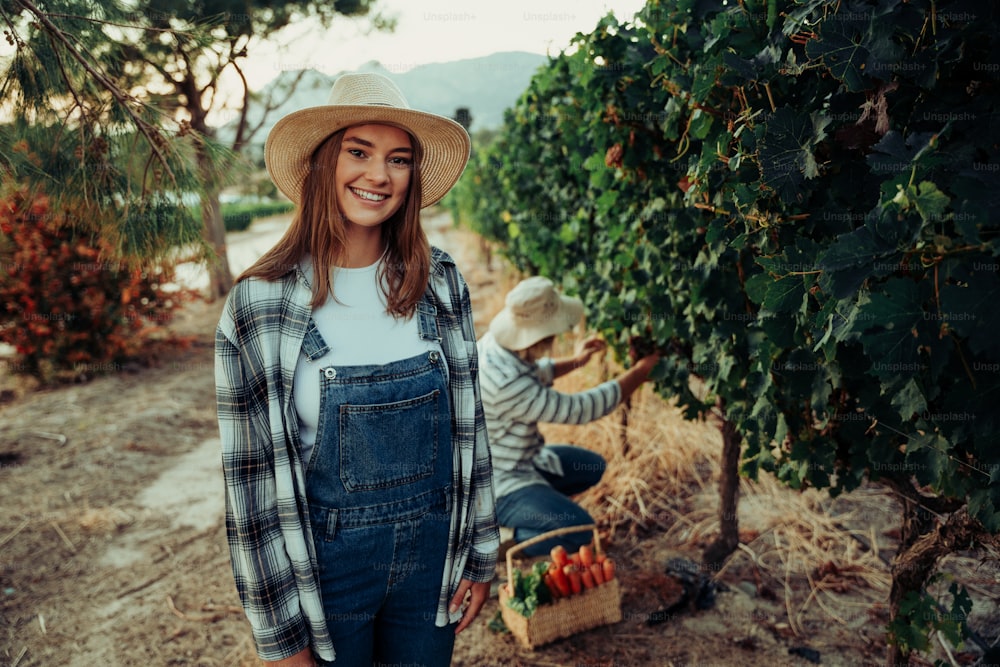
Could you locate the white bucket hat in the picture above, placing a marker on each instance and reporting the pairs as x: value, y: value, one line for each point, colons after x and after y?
x: 534, y: 310
x: 360, y: 99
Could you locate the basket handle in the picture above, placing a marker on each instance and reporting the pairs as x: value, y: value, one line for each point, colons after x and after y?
x: 548, y: 535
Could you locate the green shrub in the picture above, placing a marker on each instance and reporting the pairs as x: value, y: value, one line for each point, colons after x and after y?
x: 238, y: 215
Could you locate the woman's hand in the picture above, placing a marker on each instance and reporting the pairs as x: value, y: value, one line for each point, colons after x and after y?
x: 478, y: 594
x: 630, y: 380
x: 648, y: 361
x: 585, y: 349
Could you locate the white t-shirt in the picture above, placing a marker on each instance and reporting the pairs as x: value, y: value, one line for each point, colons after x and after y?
x: 358, y: 331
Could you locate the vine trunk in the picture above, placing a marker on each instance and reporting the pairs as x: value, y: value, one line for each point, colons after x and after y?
x: 924, y: 541
x: 729, y: 490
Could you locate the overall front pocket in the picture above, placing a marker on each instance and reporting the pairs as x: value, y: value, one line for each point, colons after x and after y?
x: 388, y: 444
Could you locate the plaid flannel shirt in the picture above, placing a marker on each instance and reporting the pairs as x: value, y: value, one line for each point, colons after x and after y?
x: 258, y: 340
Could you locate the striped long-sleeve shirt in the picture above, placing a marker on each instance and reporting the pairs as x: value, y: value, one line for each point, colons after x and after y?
x: 257, y: 346
x: 517, y: 396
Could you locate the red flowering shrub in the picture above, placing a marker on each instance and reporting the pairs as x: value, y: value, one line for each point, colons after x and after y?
x: 65, y: 308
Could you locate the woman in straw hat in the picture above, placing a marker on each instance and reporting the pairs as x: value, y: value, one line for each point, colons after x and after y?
x: 533, y: 480
x: 360, y: 509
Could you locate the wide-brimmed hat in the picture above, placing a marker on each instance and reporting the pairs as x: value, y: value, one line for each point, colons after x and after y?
x: 534, y: 310
x: 360, y: 99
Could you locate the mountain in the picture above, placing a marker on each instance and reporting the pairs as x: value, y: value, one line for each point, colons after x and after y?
x: 486, y: 86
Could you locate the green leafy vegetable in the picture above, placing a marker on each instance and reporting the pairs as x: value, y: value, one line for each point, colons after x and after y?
x: 529, y: 590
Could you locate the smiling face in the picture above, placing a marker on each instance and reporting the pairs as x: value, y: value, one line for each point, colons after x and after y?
x: 373, y: 173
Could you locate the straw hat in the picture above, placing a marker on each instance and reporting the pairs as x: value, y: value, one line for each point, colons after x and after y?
x: 534, y: 310
x: 358, y: 99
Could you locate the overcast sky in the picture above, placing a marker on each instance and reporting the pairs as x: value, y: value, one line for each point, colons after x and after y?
x: 430, y: 31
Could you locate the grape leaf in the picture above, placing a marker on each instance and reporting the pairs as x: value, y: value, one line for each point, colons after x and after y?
x: 927, y: 457
x: 890, y: 323
x: 844, y: 57
x: 786, y: 153
x: 786, y: 295
x: 909, y: 400
x: 743, y: 68
x: 895, y: 154
x: 851, y: 259
x: 971, y: 310
x: 931, y: 203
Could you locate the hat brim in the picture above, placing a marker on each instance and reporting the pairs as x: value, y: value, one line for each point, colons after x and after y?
x: 293, y: 140
x: 508, y: 334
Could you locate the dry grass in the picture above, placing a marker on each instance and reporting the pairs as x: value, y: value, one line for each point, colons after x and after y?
x: 103, y: 519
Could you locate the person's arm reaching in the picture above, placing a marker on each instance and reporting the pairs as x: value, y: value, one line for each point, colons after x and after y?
x: 547, y: 405
x: 584, y: 351
x: 631, y: 379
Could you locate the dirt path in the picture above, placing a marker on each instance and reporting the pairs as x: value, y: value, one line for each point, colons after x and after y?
x: 113, y: 551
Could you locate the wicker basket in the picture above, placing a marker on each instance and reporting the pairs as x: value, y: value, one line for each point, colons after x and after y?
x: 590, y: 608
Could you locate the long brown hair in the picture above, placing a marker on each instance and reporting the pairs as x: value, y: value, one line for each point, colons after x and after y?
x: 317, y: 229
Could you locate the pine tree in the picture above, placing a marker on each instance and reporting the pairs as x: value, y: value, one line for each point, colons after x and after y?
x: 133, y: 85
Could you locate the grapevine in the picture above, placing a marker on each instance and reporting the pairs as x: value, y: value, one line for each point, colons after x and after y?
x: 796, y: 203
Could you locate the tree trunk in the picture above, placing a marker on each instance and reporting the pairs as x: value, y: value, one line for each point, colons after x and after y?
x: 220, y: 279
x: 729, y: 491
x: 486, y: 250
x: 924, y: 541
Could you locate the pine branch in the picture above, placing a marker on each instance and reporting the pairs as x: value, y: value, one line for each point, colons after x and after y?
x: 115, y: 24
x: 149, y: 131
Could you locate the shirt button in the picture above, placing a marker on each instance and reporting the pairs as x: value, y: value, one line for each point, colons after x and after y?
x: 330, y: 373
x: 434, y: 357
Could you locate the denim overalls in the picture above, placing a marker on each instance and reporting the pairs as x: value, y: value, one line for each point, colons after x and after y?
x: 378, y: 484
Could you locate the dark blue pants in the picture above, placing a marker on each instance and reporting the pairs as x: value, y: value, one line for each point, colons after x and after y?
x: 539, y: 508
